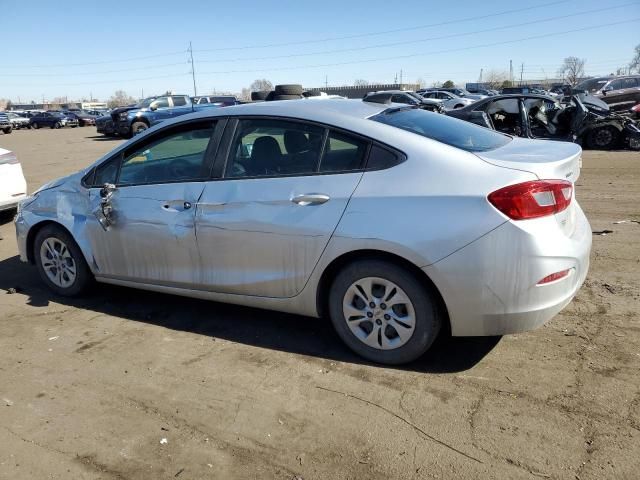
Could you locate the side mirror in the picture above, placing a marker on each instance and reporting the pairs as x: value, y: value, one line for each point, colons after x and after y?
x: 107, y: 191
x: 153, y: 107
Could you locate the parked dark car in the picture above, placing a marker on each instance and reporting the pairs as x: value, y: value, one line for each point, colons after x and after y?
x: 82, y: 117
x: 5, y: 123
x: 539, y: 116
x: 105, y: 126
x: 52, y: 120
x: 621, y: 93
x: 408, y: 98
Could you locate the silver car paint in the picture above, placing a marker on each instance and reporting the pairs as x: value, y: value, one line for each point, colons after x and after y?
x: 445, y: 186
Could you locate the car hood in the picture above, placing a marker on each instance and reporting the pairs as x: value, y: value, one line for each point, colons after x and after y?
x: 544, y: 158
x: 60, y: 181
x: 117, y: 111
x: 590, y: 101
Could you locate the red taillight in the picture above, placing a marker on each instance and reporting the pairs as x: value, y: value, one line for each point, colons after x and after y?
x: 554, y: 276
x: 534, y: 199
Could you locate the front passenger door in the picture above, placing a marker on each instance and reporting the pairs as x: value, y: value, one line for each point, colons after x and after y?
x: 158, y: 182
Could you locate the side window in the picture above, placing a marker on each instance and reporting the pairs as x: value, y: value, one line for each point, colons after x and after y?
x: 203, y: 100
x: 616, y: 84
x: 160, y: 103
x: 343, y: 153
x: 401, y: 99
x: 381, y: 158
x: 179, y: 101
x: 630, y: 82
x: 106, y: 173
x: 178, y: 155
x: 274, y: 147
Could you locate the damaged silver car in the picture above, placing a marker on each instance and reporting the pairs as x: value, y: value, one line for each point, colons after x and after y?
x: 393, y: 221
x: 543, y: 117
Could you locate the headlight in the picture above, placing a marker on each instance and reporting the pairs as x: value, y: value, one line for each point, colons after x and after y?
x: 123, y: 115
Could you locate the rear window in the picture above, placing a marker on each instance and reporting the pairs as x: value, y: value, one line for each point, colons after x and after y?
x: 451, y: 131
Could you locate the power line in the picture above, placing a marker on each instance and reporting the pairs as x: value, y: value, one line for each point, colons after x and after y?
x: 421, y: 54
x: 75, y: 74
x: 104, y: 62
x: 421, y: 40
x: 385, y: 32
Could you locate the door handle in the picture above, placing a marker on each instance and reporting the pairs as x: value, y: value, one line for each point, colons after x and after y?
x: 187, y: 205
x: 176, y: 206
x: 310, y: 199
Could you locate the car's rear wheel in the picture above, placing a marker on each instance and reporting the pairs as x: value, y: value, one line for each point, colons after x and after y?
x: 603, y: 138
x: 35, y: 125
x: 383, y: 312
x: 57, y: 125
x: 60, y: 262
x: 7, y: 131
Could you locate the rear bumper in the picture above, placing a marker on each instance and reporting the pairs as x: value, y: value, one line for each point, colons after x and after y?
x: 490, y: 286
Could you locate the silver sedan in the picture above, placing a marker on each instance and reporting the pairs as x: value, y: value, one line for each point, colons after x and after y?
x: 395, y: 222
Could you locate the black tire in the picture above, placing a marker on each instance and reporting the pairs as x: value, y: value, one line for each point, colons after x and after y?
x: 260, y: 95
x: 425, y: 305
x: 312, y: 93
x: 7, y: 131
x: 292, y: 89
x: 603, y: 138
x: 56, y: 125
x: 138, y: 127
x: 83, y: 279
x: 287, y: 97
x: 35, y: 125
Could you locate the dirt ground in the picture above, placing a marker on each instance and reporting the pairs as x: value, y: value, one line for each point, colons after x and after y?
x: 91, y: 388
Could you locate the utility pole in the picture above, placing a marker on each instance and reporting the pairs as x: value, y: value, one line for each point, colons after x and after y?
x: 193, y: 70
x: 480, y: 81
x: 326, y: 81
x: 511, y: 71
x: 400, y: 78
x: 521, y: 72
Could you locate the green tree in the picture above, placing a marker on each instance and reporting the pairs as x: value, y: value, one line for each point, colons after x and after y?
x: 448, y: 84
x: 507, y: 84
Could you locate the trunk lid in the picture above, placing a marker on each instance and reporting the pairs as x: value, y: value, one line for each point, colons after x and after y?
x: 544, y: 158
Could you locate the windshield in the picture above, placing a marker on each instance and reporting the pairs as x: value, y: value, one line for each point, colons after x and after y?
x: 415, y: 95
x: 448, y: 130
x: 146, y: 102
x: 592, y: 85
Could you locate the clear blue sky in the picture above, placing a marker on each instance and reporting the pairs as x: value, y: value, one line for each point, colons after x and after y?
x: 74, y: 48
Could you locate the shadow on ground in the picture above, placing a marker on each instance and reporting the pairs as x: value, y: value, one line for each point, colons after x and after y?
x: 250, y: 326
x: 103, y: 138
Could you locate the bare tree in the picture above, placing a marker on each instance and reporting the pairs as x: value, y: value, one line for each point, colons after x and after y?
x: 436, y: 84
x: 635, y: 62
x: 261, y: 85
x: 572, y: 70
x: 119, y: 99
x: 495, y: 78
x: 360, y: 83
x: 3, y: 103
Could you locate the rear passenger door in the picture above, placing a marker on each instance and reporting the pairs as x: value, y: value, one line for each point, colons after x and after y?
x: 283, y: 187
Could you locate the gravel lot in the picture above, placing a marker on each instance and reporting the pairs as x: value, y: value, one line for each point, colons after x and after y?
x: 91, y: 388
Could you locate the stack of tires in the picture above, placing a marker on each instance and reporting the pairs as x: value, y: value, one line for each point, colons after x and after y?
x: 281, y: 92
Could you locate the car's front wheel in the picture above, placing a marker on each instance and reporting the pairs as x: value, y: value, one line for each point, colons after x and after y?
x: 383, y: 312
x: 60, y: 262
x: 35, y: 125
x: 138, y: 127
x: 603, y: 138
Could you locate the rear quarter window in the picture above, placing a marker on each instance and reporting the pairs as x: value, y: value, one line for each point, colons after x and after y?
x: 444, y: 129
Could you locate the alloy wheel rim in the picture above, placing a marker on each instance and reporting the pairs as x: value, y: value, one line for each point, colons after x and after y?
x: 379, y: 313
x: 603, y: 137
x: 57, y: 262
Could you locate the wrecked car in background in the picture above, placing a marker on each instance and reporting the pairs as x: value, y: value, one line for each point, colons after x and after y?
x: 543, y: 117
